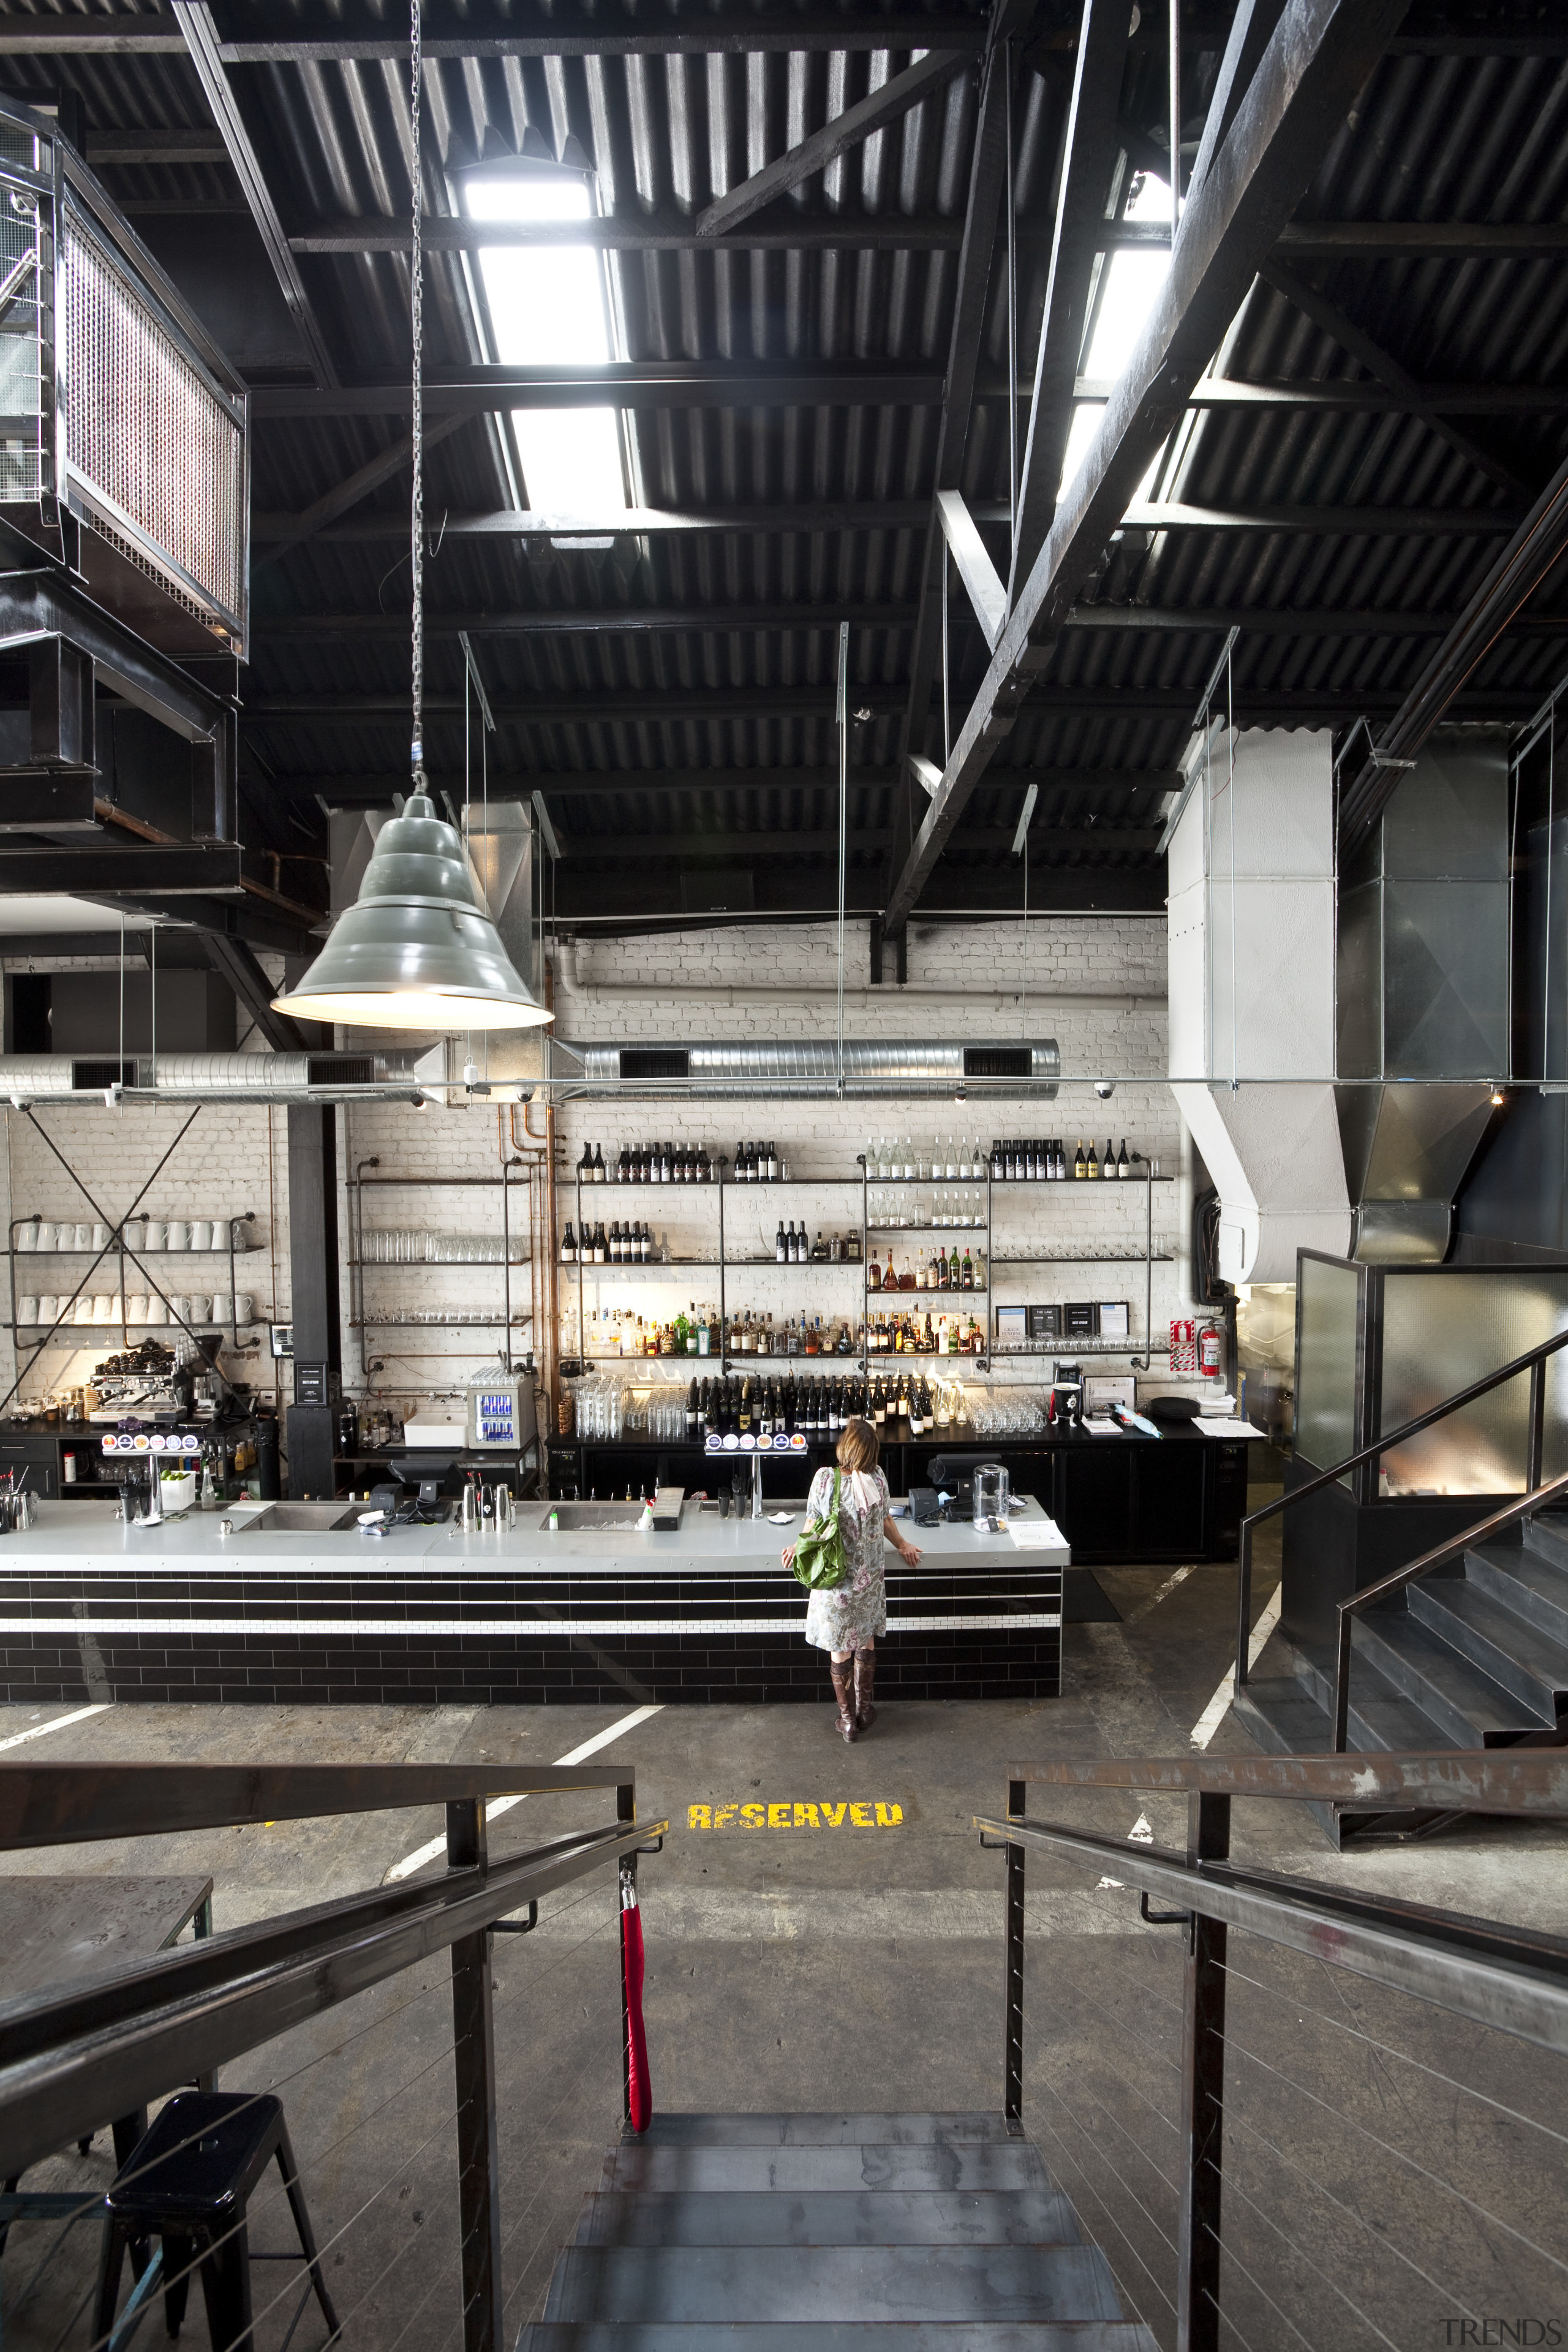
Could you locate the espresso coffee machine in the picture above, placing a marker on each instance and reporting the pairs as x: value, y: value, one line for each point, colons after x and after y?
x: 1065, y: 1409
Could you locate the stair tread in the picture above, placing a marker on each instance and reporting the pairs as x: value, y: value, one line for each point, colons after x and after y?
x: 1541, y: 1585
x: 819, y: 2131
x: 867, y: 2164
x: 1545, y: 1661
x: 1012, y: 2217
x: 837, y: 2336
x: 1396, y: 1641
x: 689, y: 2283
x: 1545, y: 1536
x: 1381, y: 1716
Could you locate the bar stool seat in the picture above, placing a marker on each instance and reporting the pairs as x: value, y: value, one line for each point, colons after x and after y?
x: 188, y: 2182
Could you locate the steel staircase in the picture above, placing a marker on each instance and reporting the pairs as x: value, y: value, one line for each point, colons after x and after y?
x: 828, y: 2234
x: 1473, y: 1657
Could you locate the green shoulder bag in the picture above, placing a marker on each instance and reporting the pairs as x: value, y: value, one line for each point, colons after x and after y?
x: 819, y: 1561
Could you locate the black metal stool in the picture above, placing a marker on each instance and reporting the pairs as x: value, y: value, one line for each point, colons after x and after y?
x: 188, y: 2182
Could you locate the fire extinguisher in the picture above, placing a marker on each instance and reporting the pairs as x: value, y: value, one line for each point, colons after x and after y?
x: 1210, y: 1351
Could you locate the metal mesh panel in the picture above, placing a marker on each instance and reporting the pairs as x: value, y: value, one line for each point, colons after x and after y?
x: 23, y: 468
x: 145, y: 435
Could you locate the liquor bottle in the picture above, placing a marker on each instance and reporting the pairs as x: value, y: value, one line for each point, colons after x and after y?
x: 917, y: 1413
x: 569, y: 1245
x: 601, y: 1246
x: 909, y: 1161
x: 1079, y: 1165
x: 873, y: 1272
x: 746, y: 1413
x: 773, y: 1163
x: 780, y: 1247
x: 968, y: 1269
x: 715, y: 1333
x: 942, y: 1266
x: 599, y: 1177
x: 1093, y: 1161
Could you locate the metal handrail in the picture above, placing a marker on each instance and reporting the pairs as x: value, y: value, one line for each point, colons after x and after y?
x: 1527, y: 1781
x: 70, y: 2058
x: 1532, y: 1361
x: 1535, y: 1500
x: 1512, y: 1979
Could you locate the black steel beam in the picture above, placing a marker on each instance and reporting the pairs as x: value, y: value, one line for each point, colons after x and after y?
x: 783, y: 231
x: 235, y: 962
x: 908, y: 514
x: 1424, y: 240
x: 1518, y: 571
x: 1078, y: 837
x: 147, y: 869
x: 322, y: 37
x: 1316, y: 63
x: 1088, y: 158
x: 199, y: 37
x: 36, y: 603
x: 50, y: 803
x: 886, y: 103
x: 1334, y: 321
x: 357, y: 486
x: 372, y: 791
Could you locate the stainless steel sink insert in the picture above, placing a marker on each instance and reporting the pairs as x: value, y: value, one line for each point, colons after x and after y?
x: 615, y: 1519
x: 303, y: 1518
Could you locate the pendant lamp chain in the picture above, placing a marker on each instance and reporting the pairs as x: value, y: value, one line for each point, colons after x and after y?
x: 416, y: 437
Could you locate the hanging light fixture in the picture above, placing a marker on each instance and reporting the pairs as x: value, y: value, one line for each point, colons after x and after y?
x: 416, y: 951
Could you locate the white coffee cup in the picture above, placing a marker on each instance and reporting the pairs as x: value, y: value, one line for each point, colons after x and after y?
x: 99, y: 1237
x: 83, y: 1237
x: 244, y: 1307
x: 179, y: 1233
x: 27, y: 1237
x: 27, y: 1310
x: 134, y: 1233
x: 136, y: 1308
x: 157, y: 1234
x: 201, y: 1237
x: 157, y: 1312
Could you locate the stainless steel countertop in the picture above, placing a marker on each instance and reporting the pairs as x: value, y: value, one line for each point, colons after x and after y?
x: 73, y: 1539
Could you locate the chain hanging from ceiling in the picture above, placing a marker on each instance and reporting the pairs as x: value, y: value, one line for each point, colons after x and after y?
x: 416, y: 311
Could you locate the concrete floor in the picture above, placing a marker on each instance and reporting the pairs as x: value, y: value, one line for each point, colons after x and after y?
x: 1374, y: 2198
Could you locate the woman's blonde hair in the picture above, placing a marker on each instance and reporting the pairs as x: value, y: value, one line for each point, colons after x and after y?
x: 859, y: 1447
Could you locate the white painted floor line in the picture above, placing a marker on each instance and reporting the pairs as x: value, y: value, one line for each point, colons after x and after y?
x: 38, y: 1730
x: 498, y: 1805
x: 1162, y: 1594
x: 1214, y: 1715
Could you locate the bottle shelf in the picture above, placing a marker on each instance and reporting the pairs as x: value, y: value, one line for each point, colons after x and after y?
x: 1100, y: 1257
x: 652, y: 1265
x: 959, y: 1230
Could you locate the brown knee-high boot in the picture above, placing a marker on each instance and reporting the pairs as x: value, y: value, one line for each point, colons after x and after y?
x: 843, y: 1673
x: 865, y: 1688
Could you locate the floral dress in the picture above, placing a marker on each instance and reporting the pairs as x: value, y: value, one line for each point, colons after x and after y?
x: 851, y: 1617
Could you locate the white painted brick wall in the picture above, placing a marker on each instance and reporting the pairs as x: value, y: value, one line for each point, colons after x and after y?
x: 222, y: 1166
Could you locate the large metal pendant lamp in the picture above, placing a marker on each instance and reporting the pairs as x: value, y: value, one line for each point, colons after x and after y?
x: 416, y: 951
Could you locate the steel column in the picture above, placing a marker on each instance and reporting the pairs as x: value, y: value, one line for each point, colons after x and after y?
x: 479, y: 2159
x: 625, y: 1811
x: 1202, y: 2096
x: 1013, y: 2026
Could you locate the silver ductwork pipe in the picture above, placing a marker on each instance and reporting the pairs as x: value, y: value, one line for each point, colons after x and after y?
x: 809, y: 1069
x: 327, y: 1077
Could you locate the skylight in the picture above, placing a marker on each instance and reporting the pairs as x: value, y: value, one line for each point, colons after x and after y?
x: 1133, y: 278
x: 548, y: 307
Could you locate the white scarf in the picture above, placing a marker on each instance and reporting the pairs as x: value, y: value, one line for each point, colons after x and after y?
x: 865, y: 1492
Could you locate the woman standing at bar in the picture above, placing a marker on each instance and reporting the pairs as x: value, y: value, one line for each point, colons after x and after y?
x: 846, y: 1621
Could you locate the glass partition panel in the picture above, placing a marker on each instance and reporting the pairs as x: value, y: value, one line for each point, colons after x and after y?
x: 1326, y: 1361
x: 1441, y: 1330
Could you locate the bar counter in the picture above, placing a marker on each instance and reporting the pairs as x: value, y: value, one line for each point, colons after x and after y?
x: 428, y: 1615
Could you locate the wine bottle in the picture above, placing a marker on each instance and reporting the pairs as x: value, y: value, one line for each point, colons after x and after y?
x: 773, y: 1163
x: 615, y: 1243
x: 568, y: 1245
x: 1079, y: 1165
x: 1122, y: 1169
x: 780, y: 1248
x: 599, y: 1177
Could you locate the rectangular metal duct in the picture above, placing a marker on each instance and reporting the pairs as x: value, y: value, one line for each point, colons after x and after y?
x: 873, y: 1069
x: 1422, y: 996
x: 399, y: 1076
x: 1252, y: 995
x: 113, y: 401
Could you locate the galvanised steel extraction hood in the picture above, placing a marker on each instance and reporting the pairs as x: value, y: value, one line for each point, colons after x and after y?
x: 809, y: 1069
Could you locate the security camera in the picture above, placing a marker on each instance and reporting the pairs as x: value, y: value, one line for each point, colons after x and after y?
x: 1104, y: 1088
